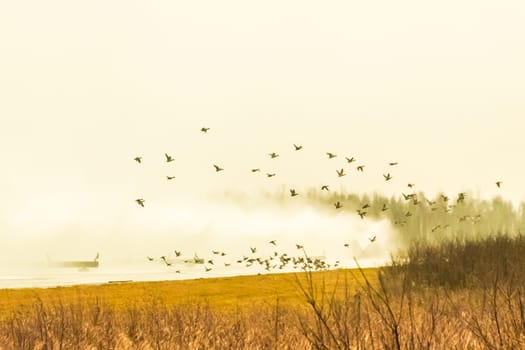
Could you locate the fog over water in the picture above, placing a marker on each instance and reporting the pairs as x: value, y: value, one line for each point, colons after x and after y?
x: 195, y: 227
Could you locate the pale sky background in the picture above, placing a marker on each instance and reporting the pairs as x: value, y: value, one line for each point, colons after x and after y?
x: 87, y: 86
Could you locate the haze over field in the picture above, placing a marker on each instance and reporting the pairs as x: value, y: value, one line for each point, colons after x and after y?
x: 86, y: 87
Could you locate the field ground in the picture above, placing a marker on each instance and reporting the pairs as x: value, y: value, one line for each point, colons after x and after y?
x: 226, y: 292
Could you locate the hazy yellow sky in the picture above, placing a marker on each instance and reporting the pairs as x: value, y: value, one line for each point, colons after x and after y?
x: 86, y: 86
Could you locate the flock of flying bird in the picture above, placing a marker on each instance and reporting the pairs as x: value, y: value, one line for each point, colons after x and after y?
x: 280, y: 260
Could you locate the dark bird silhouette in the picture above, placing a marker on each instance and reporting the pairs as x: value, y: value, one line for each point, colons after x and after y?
x: 169, y: 158
x: 138, y: 159
x: 340, y: 172
x: 270, y: 175
x: 298, y: 246
x: 437, y: 227
x: 297, y: 147
x: 347, y: 245
x: 208, y: 269
x: 216, y: 252
x: 205, y: 130
x: 255, y: 170
x: 273, y: 155
x: 293, y: 193
x: 410, y: 185
x: 387, y: 176
x: 178, y: 253
x: 217, y: 168
x: 384, y: 208
x: 165, y: 261
x: 408, y: 196
x: 461, y: 197
x: 324, y: 187
x: 253, y: 249
x: 140, y: 202
x: 407, y: 214
x: 338, y: 205
x: 331, y: 155
x: 350, y: 160
x: 373, y: 239
x: 361, y: 213
x: 170, y: 177
x: 366, y: 205
x: 272, y: 242
x: 361, y: 168
x: 392, y: 163
x: 498, y: 183
x: 150, y: 258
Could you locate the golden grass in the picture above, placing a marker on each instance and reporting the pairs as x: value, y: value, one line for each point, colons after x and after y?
x: 342, y: 309
x: 226, y: 292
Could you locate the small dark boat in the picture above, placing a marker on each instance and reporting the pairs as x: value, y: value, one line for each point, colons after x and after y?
x: 82, y: 264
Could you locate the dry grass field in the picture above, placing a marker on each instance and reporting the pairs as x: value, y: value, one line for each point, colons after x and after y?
x: 218, y: 293
x: 407, y: 306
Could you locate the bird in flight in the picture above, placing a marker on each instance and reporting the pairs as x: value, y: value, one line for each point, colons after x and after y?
x: 410, y: 185
x: 150, y: 258
x: 208, y: 269
x: 392, y: 163
x: 272, y: 242
x: 169, y: 158
x: 293, y: 193
x: 407, y: 214
x: 361, y: 213
x: 366, y: 205
x: 217, y: 168
x: 270, y: 175
x: 324, y: 187
x: 138, y: 159
x: 330, y: 155
x: 498, y: 183
x: 384, y: 208
x: 177, y: 253
x: 297, y: 147
x: 165, y: 261
x: 341, y: 172
x: 387, y: 176
x: 205, y: 130
x: 273, y: 155
x: 361, y: 168
x: 338, y: 205
x: 253, y: 249
x: 373, y: 239
x: 255, y: 170
x: 350, y: 160
x: 299, y: 246
x: 408, y: 196
x: 140, y: 202
x: 347, y: 245
x: 170, y: 177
